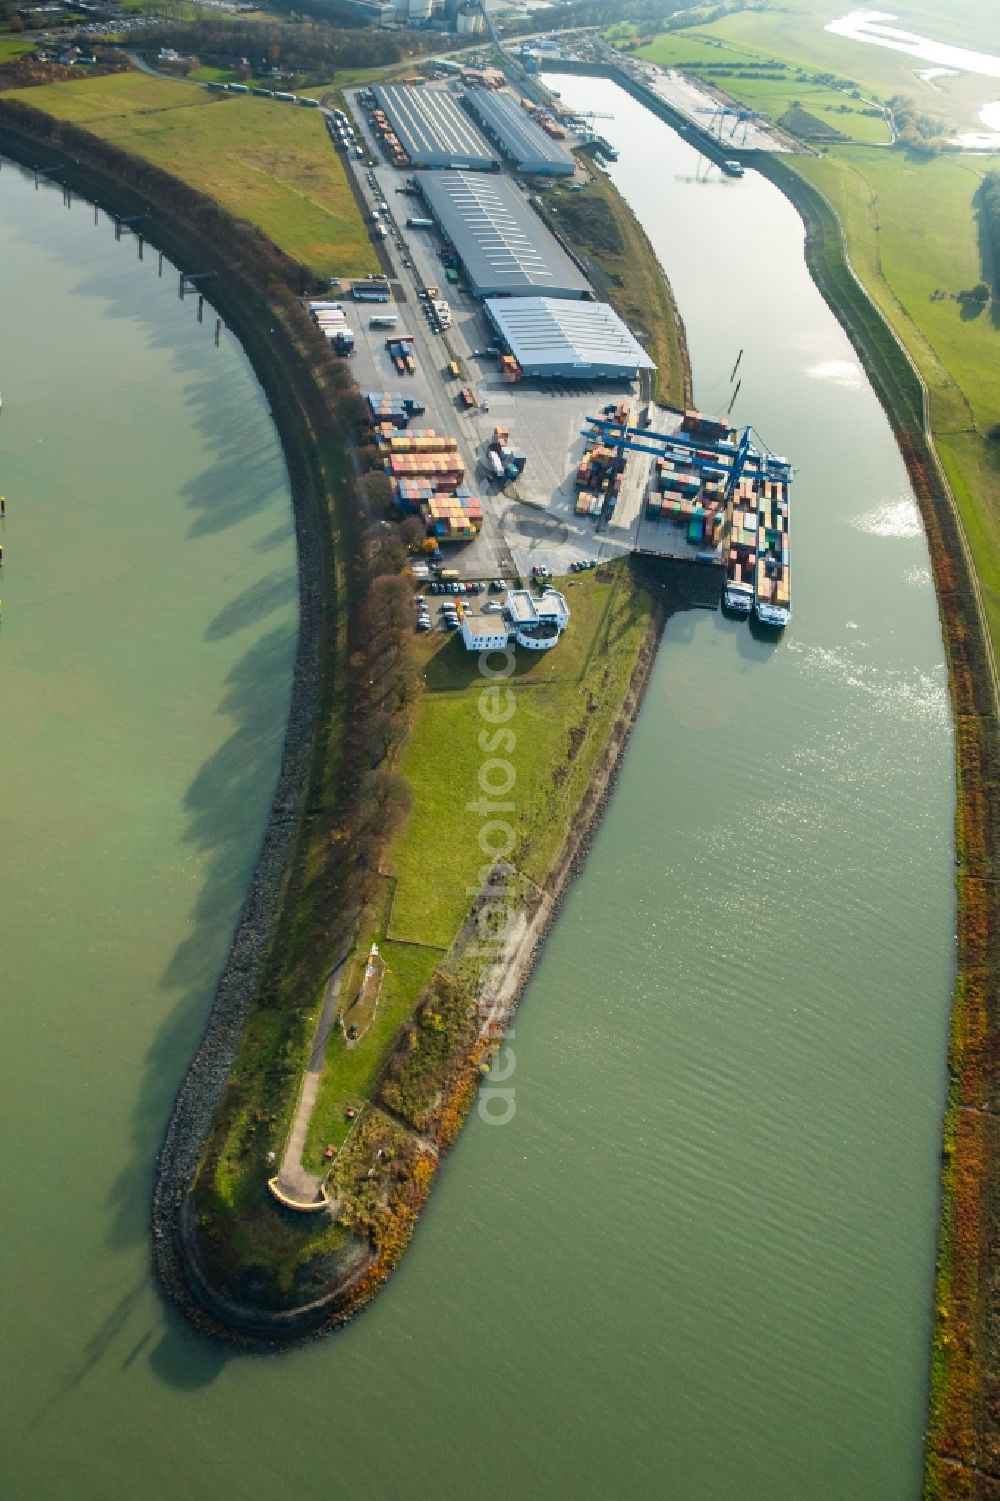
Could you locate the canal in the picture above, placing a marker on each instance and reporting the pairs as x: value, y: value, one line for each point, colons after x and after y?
x: 698, y: 1261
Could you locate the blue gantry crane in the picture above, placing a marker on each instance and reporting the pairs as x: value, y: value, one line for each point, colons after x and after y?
x: 728, y: 462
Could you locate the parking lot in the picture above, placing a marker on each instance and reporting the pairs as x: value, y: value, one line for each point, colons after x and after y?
x: 530, y: 522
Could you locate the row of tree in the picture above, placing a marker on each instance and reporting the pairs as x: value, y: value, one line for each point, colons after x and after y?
x: 987, y: 201
x: 303, y: 47
x: 917, y: 130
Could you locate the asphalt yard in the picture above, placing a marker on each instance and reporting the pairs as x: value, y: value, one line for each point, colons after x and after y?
x: 530, y: 521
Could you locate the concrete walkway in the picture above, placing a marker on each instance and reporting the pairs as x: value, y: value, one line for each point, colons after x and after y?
x: 292, y: 1179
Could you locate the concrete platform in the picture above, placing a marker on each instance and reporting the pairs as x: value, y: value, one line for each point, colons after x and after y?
x: 531, y: 521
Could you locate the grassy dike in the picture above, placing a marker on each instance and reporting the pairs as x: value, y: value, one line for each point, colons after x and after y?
x: 963, y: 1439
x: 243, y: 1268
x: 621, y: 262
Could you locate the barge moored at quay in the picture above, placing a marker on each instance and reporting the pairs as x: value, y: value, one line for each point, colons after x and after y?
x: 718, y: 497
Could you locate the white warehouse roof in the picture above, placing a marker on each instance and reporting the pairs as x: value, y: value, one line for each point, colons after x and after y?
x: 550, y: 336
x: 432, y: 129
x: 517, y: 135
x: 500, y: 240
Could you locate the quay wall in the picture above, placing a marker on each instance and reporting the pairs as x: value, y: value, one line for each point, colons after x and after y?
x: 698, y: 137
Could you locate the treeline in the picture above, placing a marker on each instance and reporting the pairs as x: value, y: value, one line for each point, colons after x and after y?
x: 987, y: 201
x: 304, y: 47
x: 919, y: 131
x: 656, y: 13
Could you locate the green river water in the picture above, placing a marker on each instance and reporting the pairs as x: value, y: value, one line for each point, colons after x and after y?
x: 697, y: 1263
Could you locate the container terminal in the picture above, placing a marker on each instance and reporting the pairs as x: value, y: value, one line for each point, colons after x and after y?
x: 508, y: 407
x: 715, y: 496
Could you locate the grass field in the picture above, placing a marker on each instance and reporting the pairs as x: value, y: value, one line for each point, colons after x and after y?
x: 190, y: 10
x: 271, y: 164
x: 792, y: 32
x: 726, y: 65
x: 11, y: 47
x: 912, y: 232
x: 563, y: 702
x: 208, y: 74
x: 350, y: 1073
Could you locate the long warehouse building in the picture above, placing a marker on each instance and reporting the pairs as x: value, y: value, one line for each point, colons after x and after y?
x: 502, y: 244
x: 558, y: 340
x: 432, y: 129
x: 522, y: 142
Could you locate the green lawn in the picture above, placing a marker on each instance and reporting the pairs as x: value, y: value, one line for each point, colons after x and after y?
x: 350, y: 1073
x: 563, y: 705
x: 353, y: 78
x: 912, y: 231
x: 438, y: 856
x: 207, y: 74
x: 11, y: 47
x: 269, y: 163
x: 190, y: 10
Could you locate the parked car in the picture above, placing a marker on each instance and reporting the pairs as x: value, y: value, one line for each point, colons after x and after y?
x: 492, y: 607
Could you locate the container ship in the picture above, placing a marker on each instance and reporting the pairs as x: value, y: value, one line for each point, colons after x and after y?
x: 772, y: 599
x: 758, y: 577
x: 737, y: 596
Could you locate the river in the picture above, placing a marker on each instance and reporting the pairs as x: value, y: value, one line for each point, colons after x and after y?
x: 698, y: 1261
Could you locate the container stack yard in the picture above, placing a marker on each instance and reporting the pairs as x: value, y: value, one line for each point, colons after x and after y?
x: 419, y: 440
x: 426, y: 471
x: 390, y: 141
x: 599, y: 481
x: 728, y: 500
x: 681, y: 494
x: 688, y: 484
x: 400, y: 349
x: 446, y: 469
x: 386, y: 407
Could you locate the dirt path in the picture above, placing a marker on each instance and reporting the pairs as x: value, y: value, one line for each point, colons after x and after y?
x: 293, y: 1180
